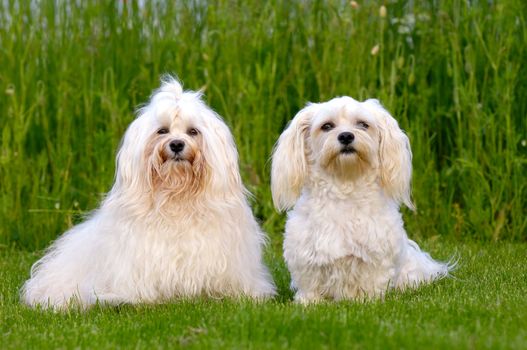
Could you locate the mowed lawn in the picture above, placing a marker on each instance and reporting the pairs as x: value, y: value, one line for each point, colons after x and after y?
x: 483, y: 306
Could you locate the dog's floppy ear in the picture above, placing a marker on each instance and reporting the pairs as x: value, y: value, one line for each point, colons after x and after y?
x: 221, y: 154
x: 395, y: 155
x: 289, y: 165
x: 130, y: 172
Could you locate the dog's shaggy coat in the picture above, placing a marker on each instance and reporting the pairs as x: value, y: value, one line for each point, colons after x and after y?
x: 343, y: 168
x: 176, y: 223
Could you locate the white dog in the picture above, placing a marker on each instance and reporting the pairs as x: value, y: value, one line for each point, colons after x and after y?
x: 345, y: 167
x: 175, y: 224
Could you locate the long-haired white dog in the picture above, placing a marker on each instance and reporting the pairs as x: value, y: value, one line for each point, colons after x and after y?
x: 345, y: 167
x: 176, y: 223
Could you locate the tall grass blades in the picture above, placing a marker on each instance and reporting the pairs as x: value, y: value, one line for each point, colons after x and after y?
x: 453, y: 73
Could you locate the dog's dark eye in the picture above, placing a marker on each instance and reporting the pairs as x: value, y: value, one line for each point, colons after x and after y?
x: 363, y: 125
x: 327, y: 126
x: 192, y: 132
x: 162, y: 131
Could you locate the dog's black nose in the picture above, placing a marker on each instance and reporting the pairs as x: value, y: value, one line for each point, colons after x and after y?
x: 177, y: 146
x: 346, y: 138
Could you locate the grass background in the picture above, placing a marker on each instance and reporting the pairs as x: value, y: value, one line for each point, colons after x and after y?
x: 452, y: 72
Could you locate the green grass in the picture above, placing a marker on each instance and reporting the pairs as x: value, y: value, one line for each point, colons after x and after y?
x: 484, y: 306
x: 452, y: 72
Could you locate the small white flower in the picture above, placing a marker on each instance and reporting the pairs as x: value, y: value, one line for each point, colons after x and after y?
x: 10, y: 90
x: 423, y: 17
x: 382, y: 11
x: 375, y: 50
x: 403, y: 29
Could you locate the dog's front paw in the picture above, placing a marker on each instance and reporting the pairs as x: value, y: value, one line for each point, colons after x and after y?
x: 261, y: 296
x: 307, y: 298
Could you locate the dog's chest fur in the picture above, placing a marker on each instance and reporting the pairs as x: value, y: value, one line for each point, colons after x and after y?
x: 343, y: 242
x: 171, y: 254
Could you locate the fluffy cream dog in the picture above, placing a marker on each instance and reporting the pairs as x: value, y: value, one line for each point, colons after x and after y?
x: 175, y: 224
x: 345, y: 167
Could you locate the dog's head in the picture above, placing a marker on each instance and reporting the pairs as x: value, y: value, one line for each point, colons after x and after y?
x: 342, y: 139
x: 178, y: 146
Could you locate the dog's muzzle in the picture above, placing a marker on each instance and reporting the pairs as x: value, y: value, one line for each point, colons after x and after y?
x: 348, y: 150
x: 177, y: 147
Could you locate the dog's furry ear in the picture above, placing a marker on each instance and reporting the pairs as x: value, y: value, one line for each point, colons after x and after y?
x: 395, y: 156
x: 129, y: 174
x: 221, y: 154
x: 289, y: 164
